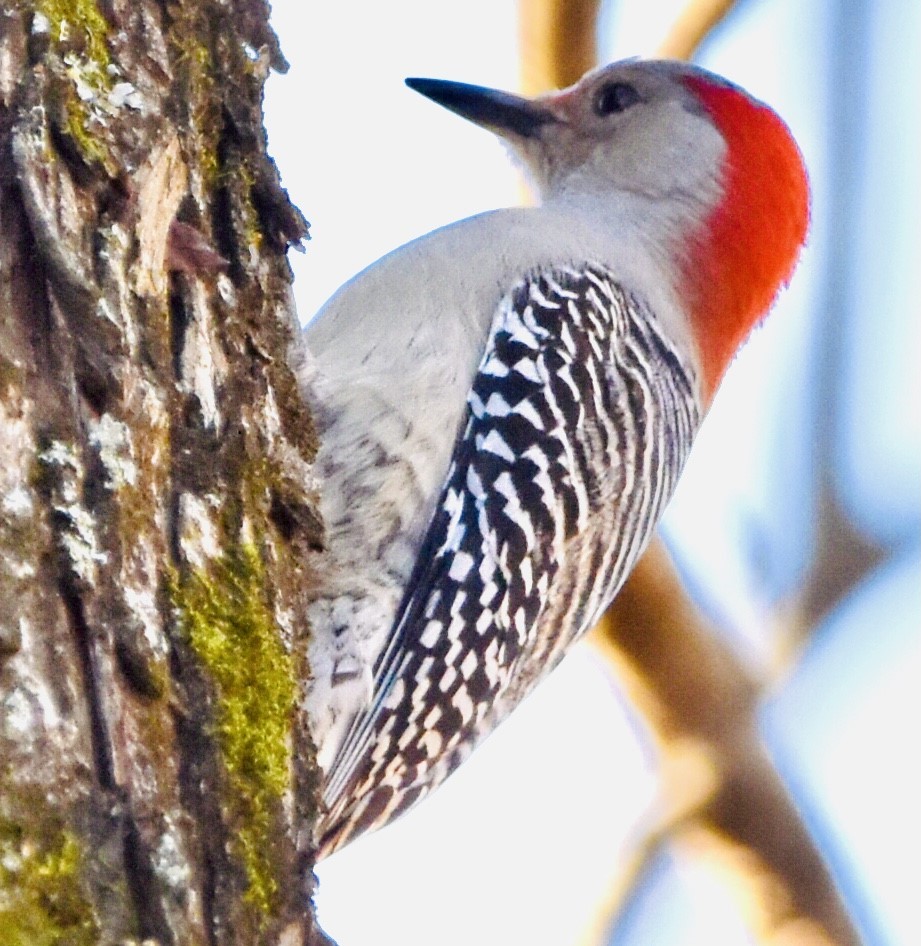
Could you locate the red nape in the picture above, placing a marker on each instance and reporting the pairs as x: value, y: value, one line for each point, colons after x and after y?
x: 749, y: 245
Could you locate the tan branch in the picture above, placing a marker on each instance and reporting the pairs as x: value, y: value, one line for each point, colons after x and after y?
x: 842, y: 558
x: 722, y: 798
x: 558, y: 42
x: 693, y: 26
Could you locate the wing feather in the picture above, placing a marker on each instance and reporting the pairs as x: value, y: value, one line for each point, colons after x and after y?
x: 578, y: 422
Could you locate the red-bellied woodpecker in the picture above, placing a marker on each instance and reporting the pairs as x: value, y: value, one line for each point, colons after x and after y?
x: 506, y: 404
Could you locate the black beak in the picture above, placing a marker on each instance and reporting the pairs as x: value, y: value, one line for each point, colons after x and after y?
x: 498, y: 111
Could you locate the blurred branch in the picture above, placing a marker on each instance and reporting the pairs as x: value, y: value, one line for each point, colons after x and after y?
x: 842, y: 558
x: 558, y: 42
x: 693, y: 26
x: 722, y: 798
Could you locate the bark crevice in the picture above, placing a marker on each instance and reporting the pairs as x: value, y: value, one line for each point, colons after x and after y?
x: 104, y: 765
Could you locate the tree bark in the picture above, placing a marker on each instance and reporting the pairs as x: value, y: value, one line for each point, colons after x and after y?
x: 156, y: 500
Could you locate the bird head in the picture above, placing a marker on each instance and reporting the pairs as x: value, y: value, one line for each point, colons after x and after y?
x: 710, y: 178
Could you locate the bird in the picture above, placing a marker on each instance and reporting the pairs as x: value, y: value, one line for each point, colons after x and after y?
x: 505, y: 406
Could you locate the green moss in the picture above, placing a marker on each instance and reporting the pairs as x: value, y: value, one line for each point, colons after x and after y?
x: 79, y: 33
x: 78, y: 23
x: 42, y: 902
x: 229, y: 623
x: 77, y: 127
x: 194, y: 65
x: 251, y: 224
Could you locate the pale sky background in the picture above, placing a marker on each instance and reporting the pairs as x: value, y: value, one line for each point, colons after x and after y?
x: 522, y: 843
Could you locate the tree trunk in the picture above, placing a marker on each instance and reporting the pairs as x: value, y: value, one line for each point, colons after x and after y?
x: 156, y: 501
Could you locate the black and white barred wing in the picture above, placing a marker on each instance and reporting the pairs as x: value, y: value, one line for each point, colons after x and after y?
x: 579, y: 420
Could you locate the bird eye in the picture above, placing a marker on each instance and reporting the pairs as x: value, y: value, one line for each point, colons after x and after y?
x: 615, y: 97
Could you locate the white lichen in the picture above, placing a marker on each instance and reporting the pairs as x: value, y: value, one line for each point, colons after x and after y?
x: 143, y: 604
x: 285, y: 621
x: 17, y: 503
x: 104, y: 311
x: 20, y: 570
x: 225, y: 289
x: 78, y: 537
x: 84, y: 74
x: 170, y: 863
x: 79, y: 541
x: 271, y: 418
x: 199, y: 537
x: 203, y: 363
x: 70, y: 470
x: 125, y: 94
x: 27, y: 711
x: 113, y: 440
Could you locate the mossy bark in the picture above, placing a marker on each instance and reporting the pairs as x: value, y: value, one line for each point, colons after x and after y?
x: 156, y: 500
